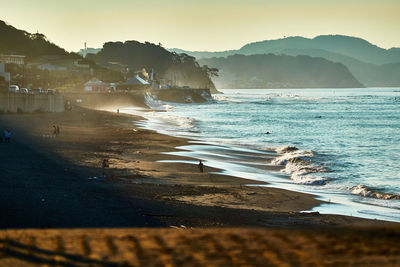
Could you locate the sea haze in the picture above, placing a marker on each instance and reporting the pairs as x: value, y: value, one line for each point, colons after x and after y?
x: 340, y: 144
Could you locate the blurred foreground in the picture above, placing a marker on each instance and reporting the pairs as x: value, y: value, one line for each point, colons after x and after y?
x: 200, y: 247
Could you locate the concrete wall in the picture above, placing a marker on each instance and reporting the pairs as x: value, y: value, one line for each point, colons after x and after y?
x: 98, y: 100
x: 183, y: 95
x: 14, y: 102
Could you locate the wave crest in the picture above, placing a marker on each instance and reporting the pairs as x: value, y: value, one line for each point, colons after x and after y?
x: 365, y: 191
x: 286, y: 149
x: 299, y: 166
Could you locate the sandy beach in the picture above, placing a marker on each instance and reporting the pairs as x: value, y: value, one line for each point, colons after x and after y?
x: 54, y: 181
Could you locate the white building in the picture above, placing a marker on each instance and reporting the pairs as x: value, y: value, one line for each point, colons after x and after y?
x: 3, y: 73
x: 14, y: 59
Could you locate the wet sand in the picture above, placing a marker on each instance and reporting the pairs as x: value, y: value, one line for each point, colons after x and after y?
x: 50, y: 181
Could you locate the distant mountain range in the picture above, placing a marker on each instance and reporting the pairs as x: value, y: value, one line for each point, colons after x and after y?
x: 324, y: 61
x: 370, y: 64
x: 280, y: 71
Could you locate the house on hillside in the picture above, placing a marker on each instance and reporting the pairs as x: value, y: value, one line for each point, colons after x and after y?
x: 135, y: 83
x: 95, y: 85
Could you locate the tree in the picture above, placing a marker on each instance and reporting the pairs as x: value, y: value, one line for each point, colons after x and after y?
x: 181, y: 68
x: 211, y: 72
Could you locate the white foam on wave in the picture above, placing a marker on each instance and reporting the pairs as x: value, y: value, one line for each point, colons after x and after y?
x: 223, y: 98
x: 206, y: 96
x: 296, y: 96
x: 182, y: 123
x: 285, y: 149
x: 365, y: 191
x: 153, y: 103
x: 299, y: 166
x: 160, y: 121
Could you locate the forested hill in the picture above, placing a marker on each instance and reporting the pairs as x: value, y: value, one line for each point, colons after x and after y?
x: 14, y: 41
x: 181, y: 69
x: 354, y: 47
x: 273, y: 71
x: 371, y: 65
x: 349, y: 46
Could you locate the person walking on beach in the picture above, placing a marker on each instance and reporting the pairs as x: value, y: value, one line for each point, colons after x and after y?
x: 7, y: 136
x: 54, y: 130
x: 201, y: 165
x: 104, y: 165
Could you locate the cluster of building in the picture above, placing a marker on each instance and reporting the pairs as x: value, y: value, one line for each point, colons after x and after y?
x: 60, y: 68
x: 134, y: 83
x: 7, y: 59
x: 141, y: 80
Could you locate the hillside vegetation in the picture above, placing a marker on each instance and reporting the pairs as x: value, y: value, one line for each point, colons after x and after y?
x: 180, y: 69
x: 32, y: 45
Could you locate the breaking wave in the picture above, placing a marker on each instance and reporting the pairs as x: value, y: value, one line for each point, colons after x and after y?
x: 365, y: 191
x: 153, y: 103
x: 299, y: 165
x: 223, y: 98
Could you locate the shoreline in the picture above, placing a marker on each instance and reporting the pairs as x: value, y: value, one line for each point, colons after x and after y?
x: 313, y: 175
x: 272, y: 178
x: 166, y: 194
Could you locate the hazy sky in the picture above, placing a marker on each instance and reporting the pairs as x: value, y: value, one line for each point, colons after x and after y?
x: 204, y: 24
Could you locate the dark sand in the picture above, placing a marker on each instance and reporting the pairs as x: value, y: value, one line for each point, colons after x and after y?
x: 44, y: 181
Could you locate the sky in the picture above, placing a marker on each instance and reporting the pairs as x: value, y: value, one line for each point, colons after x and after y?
x: 204, y: 25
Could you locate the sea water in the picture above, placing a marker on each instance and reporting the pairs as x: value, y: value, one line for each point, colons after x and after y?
x: 341, y: 145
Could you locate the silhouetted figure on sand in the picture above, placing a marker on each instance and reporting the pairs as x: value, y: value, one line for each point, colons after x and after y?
x: 201, y: 166
x: 105, y: 164
x: 7, y: 136
x: 54, y: 130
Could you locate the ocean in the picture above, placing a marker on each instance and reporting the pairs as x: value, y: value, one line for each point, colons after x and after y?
x: 341, y: 145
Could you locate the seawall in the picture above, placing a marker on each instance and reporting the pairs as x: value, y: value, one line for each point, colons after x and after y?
x: 15, y: 102
x: 97, y: 100
x: 183, y: 95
